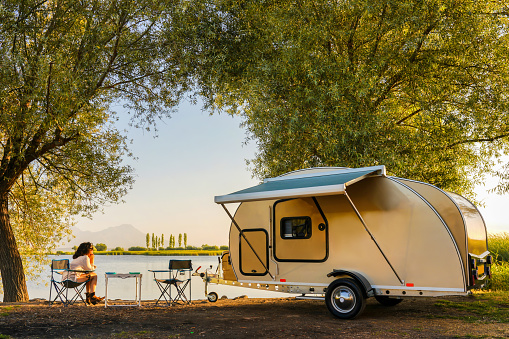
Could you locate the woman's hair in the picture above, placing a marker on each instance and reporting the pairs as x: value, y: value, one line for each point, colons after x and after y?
x: 83, y: 249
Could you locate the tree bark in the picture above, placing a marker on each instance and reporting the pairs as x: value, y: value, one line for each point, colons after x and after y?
x: 11, y: 266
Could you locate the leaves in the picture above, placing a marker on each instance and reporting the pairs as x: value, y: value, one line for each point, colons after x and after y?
x: 62, y: 66
x: 418, y: 86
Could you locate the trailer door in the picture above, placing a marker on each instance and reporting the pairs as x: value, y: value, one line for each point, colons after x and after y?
x: 301, y: 232
x: 254, y: 254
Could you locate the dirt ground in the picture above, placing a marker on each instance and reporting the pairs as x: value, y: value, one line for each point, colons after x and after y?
x: 267, y: 318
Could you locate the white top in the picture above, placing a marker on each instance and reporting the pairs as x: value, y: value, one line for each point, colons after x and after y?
x: 80, y: 263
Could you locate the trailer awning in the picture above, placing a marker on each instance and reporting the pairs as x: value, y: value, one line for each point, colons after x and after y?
x: 304, y: 183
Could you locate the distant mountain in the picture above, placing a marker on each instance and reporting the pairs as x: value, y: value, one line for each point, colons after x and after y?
x: 124, y: 236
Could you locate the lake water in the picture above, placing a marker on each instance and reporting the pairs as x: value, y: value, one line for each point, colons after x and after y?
x: 125, y: 288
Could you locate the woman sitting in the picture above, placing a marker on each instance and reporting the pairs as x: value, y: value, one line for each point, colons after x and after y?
x: 83, y: 260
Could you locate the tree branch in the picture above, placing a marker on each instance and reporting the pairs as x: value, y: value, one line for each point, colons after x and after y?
x: 478, y: 140
x: 397, y: 77
x: 400, y: 122
x: 349, y: 44
x: 379, y: 35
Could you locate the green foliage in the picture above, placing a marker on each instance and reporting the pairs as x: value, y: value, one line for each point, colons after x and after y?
x: 147, y: 240
x: 418, y: 86
x: 137, y: 248
x: 185, y: 239
x: 101, y: 247
x: 224, y: 248
x: 62, y: 65
x: 499, y: 276
x: 209, y: 248
x: 180, y: 239
x: 498, y: 245
x: 118, y: 249
x: 171, y: 252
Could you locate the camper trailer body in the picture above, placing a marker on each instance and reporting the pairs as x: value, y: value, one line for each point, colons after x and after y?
x: 349, y: 234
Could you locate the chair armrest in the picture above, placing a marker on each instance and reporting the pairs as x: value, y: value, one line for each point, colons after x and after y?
x: 80, y: 271
x: 159, y: 271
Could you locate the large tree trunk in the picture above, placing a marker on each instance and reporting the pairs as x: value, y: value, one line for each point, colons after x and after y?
x: 11, y: 266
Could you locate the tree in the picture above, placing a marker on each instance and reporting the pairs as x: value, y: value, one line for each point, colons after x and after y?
x: 147, y: 240
x: 418, y: 86
x: 153, y: 241
x: 185, y: 240
x: 180, y: 239
x: 162, y: 240
x: 62, y: 65
x: 101, y: 247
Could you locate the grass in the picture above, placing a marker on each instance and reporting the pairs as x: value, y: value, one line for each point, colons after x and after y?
x: 498, y: 244
x: 486, y: 307
x: 4, y: 311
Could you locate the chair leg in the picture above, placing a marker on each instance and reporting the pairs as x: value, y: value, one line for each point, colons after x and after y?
x: 60, y: 293
x: 164, y: 293
x: 181, y: 293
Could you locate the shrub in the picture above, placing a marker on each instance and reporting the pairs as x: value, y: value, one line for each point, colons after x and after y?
x: 209, y: 248
x: 189, y: 247
x: 498, y: 244
x: 499, y: 276
x: 117, y: 249
x: 224, y: 248
x: 137, y: 248
x: 101, y: 247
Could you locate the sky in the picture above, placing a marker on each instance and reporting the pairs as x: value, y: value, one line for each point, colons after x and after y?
x: 195, y: 157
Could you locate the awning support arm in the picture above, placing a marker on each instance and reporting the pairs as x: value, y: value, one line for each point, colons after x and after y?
x: 372, y: 237
x: 247, y: 241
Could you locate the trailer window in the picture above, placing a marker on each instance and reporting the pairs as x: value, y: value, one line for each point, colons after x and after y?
x: 296, y: 228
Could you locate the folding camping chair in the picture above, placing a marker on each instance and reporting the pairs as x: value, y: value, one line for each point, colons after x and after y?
x: 62, y: 285
x: 179, y: 276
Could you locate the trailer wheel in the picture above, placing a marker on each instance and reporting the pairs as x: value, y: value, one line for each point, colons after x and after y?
x: 212, y: 297
x: 386, y: 301
x: 344, y: 299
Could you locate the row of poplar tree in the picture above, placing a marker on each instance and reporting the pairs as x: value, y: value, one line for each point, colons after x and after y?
x: 157, y: 241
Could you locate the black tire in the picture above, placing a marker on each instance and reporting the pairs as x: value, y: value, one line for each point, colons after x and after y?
x: 344, y: 299
x: 386, y: 301
x: 212, y: 297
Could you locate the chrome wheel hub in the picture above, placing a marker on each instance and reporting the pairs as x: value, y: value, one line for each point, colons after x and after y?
x: 343, y: 299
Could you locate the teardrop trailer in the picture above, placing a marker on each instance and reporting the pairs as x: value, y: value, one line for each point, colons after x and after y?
x: 344, y: 235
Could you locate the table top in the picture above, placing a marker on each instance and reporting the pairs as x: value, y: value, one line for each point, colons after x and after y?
x: 123, y: 275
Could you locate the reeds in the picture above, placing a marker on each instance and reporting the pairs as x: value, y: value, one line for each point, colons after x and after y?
x: 498, y: 244
x: 499, y: 276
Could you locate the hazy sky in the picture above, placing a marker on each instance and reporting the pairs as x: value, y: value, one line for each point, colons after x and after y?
x: 195, y: 157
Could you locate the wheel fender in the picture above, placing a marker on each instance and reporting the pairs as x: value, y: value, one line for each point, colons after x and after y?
x: 359, y: 278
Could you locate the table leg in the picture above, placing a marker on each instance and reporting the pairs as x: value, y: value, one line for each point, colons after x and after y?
x: 106, y: 292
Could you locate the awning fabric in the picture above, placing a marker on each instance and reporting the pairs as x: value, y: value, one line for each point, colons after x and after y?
x: 302, y: 184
